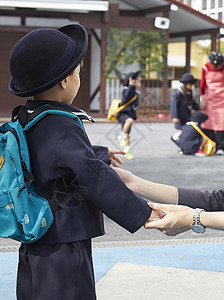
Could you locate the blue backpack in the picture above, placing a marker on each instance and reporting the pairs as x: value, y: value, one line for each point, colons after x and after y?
x: 25, y: 216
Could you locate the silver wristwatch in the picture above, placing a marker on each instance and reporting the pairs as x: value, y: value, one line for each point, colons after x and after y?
x: 196, y: 225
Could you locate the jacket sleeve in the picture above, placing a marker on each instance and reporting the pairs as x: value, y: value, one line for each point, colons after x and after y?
x: 174, y: 105
x: 102, y: 153
x: 209, y: 201
x: 104, y: 188
x: 195, y: 105
x: 128, y: 93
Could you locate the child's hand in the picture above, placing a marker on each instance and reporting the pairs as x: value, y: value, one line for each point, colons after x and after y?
x: 114, y: 158
x: 155, y: 215
x: 175, y: 120
x: 132, y: 81
x: 202, y: 102
x: 172, y: 219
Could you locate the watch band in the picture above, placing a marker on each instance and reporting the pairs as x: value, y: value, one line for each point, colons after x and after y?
x: 196, y: 225
x: 196, y: 216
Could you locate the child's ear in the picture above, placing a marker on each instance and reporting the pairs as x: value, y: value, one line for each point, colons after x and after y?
x: 64, y: 83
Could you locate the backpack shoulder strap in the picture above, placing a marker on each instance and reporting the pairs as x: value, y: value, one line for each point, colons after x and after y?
x: 27, y: 120
x: 127, y: 103
x: 200, y: 131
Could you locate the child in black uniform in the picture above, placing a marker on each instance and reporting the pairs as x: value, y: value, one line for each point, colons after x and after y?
x: 45, y: 66
x: 182, y: 104
x: 126, y: 116
x: 190, y: 140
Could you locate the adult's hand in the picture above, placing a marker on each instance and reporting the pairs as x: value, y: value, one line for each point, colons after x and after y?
x: 174, y: 219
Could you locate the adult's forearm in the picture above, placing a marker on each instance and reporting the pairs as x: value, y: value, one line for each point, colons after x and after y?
x: 214, y: 220
x: 156, y: 192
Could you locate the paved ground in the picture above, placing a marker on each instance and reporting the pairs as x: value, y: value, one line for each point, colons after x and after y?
x: 149, y: 264
x: 156, y: 159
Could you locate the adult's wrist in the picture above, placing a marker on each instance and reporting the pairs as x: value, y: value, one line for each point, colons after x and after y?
x: 189, y: 216
x: 202, y: 218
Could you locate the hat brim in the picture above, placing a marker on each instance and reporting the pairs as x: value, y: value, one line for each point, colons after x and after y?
x: 77, y: 33
x: 199, y: 117
x: 189, y: 81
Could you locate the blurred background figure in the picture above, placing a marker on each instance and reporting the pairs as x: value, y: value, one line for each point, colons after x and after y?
x: 132, y: 84
x: 212, y: 99
x: 191, y: 141
x: 183, y: 104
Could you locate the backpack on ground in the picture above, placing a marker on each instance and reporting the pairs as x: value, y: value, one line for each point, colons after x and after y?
x: 24, y: 215
x: 209, y: 145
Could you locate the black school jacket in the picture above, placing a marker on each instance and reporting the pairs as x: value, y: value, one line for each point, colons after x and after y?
x: 65, y: 164
x: 127, y: 94
x: 179, y: 109
x: 190, y: 140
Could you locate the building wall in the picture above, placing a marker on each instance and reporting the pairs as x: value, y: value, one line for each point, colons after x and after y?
x: 212, y: 8
x: 197, y: 56
x: 7, y: 100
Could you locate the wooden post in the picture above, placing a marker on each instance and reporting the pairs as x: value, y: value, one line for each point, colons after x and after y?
x: 213, y: 43
x: 188, y: 54
x: 165, y: 66
x: 165, y: 69
x: 102, y: 71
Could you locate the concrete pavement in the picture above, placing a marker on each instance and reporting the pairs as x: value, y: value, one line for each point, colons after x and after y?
x: 173, y: 270
x: 140, y: 282
x: 149, y: 265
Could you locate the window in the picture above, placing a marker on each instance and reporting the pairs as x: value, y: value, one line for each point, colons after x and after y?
x: 212, y: 4
x: 220, y: 3
x: 204, y: 4
x: 171, y: 73
x: 178, y: 73
x: 220, y: 16
x: 188, y: 2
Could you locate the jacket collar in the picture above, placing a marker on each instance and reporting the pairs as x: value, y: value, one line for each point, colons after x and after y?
x: 189, y: 123
x: 34, y: 104
x: 180, y: 89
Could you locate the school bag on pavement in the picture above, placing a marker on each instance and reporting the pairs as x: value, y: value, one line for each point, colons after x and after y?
x: 24, y: 215
x: 115, y: 108
x: 209, y: 146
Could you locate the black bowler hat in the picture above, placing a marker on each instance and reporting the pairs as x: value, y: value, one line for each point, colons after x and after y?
x: 44, y: 57
x: 187, y: 77
x: 133, y: 75
x: 199, y: 117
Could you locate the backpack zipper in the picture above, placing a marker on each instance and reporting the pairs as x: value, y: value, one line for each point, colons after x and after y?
x: 28, y: 177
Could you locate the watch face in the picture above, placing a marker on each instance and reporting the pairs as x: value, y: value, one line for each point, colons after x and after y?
x: 198, y: 229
